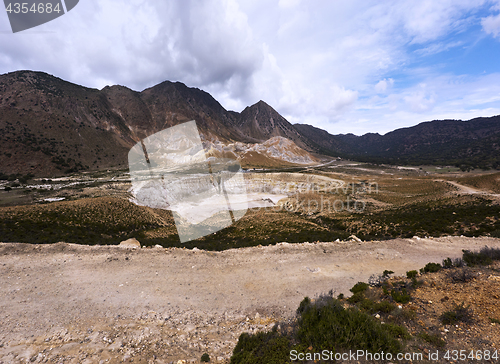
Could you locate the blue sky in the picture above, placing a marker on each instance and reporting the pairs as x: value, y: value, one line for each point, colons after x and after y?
x: 358, y: 66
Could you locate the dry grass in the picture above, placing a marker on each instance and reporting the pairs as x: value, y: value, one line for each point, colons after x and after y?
x: 489, y: 182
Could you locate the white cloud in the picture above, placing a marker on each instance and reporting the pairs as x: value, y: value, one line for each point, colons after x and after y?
x: 382, y: 85
x: 345, y: 64
x: 288, y: 3
x: 420, y: 101
x: 140, y: 43
x: 491, y: 25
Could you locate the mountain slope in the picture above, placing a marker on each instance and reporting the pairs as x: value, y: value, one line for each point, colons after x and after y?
x: 261, y: 122
x: 473, y: 143
x: 49, y: 126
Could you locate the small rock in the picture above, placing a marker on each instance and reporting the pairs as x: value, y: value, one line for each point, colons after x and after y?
x: 132, y: 243
x: 355, y: 238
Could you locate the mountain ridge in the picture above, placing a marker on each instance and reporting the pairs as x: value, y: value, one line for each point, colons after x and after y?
x: 467, y: 144
x: 51, y: 126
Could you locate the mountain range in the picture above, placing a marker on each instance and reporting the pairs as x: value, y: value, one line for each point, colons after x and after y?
x: 49, y: 126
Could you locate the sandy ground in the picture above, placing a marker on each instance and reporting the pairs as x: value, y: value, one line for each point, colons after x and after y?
x: 66, y: 303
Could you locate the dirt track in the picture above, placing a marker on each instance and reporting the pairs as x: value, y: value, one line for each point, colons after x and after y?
x: 159, y: 305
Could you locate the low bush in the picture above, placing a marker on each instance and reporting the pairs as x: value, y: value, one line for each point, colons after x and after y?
x: 434, y: 339
x: 411, y: 274
x: 322, y: 324
x: 461, y: 275
x: 262, y: 347
x: 373, y: 307
x: 483, y: 257
x: 476, y: 258
x: 387, y: 273
x: 400, y: 296
x: 402, y: 315
x: 359, y: 287
x: 431, y: 268
x: 205, y: 358
x: 459, y: 313
x: 447, y: 263
x: 357, y: 297
x: 326, y: 324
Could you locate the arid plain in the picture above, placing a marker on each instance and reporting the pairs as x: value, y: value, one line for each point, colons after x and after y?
x: 83, y: 299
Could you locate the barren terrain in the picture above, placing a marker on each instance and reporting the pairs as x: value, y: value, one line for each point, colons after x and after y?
x: 67, y: 303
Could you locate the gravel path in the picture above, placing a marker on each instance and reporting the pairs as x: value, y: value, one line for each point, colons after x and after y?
x: 82, y: 304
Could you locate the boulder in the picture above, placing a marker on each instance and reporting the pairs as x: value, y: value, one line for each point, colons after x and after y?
x: 131, y: 243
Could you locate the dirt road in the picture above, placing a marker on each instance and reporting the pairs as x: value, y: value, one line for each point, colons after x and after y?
x: 81, y: 304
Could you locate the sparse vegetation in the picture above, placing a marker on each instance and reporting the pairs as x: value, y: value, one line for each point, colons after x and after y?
x: 431, y: 268
x: 461, y: 275
x: 359, y: 287
x: 433, y: 339
x: 411, y: 274
x: 459, y: 313
x: 322, y: 323
x: 205, y: 358
x: 494, y: 320
x: 483, y: 257
x: 400, y: 296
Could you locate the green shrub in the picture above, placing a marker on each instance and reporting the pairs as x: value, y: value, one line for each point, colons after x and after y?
x: 326, y: 324
x: 372, y: 307
x: 205, y: 358
x: 262, y: 347
x: 460, y: 313
x: 402, y: 314
x: 357, y: 297
x: 434, y: 339
x: 322, y: 324
x: 411, y: 274
x: 387, y: 273
x: 398, y: 331
x: 475, y: 258
x: 400, y: 297
x: 484, y: 257
x: 416, y: 283
x: 432, y: 268
x: 447, y: 263
x: 494, y: 320
x: 359, y: 287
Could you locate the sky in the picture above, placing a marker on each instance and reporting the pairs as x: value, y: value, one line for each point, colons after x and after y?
x: 344, y: 66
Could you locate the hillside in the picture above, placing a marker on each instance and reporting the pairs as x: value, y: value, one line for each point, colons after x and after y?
x: 51, y: 127
x: 474, y: 143
x: 262, y: 122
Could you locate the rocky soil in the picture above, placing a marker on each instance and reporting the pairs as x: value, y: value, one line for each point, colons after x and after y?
x: 65, y: 303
